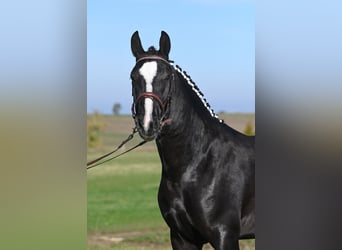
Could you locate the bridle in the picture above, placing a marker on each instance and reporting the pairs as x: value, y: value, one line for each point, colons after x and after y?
x: 163, y: 105
x: 152, y: 96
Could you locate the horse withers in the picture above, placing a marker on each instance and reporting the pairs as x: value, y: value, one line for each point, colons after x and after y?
x: 206, y: 193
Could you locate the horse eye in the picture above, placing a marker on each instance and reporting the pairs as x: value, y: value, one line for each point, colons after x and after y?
x: 165, y: 76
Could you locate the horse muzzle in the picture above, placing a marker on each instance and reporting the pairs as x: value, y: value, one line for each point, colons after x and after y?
x: 150, y: 121
x: 148, y: 131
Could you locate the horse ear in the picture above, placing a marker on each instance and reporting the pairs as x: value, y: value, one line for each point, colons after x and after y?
x: 136, y: 46
x: 164, y: 44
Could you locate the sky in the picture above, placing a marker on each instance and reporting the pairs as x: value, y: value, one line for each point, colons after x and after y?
x: 212, y: 40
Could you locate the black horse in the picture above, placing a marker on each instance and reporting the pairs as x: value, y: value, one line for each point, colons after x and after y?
x: 206, y: 192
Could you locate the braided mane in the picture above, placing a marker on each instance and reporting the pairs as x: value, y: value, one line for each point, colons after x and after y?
x: 197, y: 91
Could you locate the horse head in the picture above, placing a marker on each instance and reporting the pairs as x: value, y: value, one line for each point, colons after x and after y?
x: 152, y: 78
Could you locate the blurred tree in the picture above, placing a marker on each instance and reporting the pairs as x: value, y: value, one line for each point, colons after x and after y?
x: 116, y: 108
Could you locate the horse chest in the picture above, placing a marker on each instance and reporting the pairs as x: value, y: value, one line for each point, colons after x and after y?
x: 182, y: 212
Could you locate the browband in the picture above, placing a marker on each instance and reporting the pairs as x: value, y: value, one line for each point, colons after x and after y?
x: 153, y: 57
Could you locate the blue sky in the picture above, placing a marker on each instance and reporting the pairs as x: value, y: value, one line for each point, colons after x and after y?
x: 213, y: 41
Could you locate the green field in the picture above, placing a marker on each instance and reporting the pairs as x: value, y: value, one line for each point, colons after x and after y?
x: 123, y: 210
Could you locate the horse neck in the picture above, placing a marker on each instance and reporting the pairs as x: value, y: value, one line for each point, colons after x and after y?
x: 188, y: 131
x: 188, y: 113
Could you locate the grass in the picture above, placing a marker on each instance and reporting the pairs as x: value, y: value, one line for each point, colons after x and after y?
x: 123, y: 199
x: 123, y: 211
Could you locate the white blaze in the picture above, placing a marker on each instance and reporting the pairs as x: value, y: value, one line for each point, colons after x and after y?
x: 148, y: 71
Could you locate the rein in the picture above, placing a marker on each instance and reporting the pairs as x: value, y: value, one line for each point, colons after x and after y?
x: 96, y: 162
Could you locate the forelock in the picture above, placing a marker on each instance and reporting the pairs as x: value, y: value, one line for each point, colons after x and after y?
x: 151, y: 50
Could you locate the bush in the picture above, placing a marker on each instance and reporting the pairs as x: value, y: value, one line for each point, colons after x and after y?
x: 249, y: 130
x: 95, y: 126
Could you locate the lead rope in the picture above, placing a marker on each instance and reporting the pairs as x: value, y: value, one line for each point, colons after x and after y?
x: 96, y: 162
